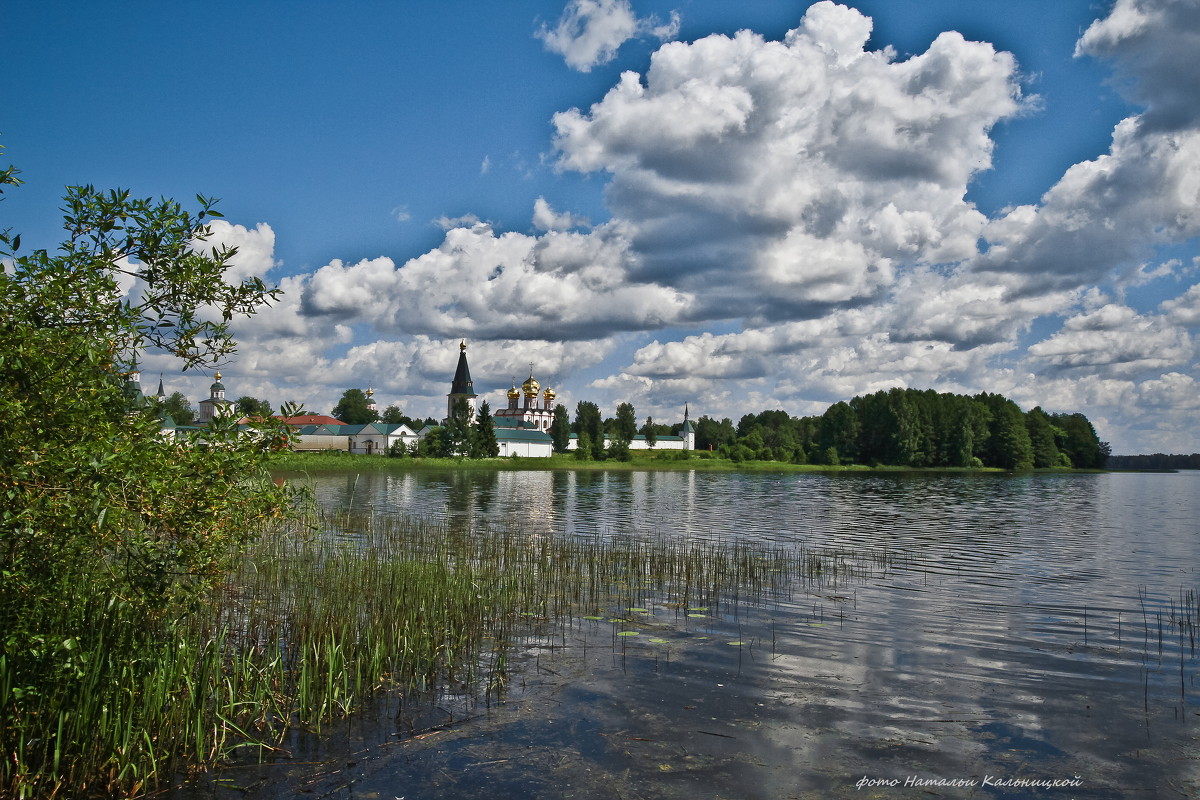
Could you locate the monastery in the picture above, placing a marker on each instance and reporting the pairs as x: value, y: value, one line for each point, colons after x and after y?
x: 522, y: 429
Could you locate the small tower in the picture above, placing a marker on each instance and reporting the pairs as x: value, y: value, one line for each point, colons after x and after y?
x: 134, y: 399
x: 530, y: 388
x: 461, y: 388
x: 514, y: 395
x: 688, y: 432
x: 371, y: 400
x: 215, y: 403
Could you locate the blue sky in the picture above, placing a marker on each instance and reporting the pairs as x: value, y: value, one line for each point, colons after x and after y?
x: 651, y: 206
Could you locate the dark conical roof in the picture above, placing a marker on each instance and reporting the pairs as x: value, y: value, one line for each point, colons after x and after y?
x: 462, y: 375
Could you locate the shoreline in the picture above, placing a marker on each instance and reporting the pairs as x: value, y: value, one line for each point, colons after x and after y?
x: 669, y: 461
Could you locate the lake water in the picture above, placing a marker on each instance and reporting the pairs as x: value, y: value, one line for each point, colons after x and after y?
x: 1029, y: 636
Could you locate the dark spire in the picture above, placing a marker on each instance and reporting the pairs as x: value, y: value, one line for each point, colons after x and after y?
x: 462, y: 376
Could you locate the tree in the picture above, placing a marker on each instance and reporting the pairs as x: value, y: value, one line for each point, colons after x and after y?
x: 352, y: 408
x: 1042, y: 438
x: 711, y: 435
x: 249, y: 407
x: 588, y: 421
x: 106, y: 524
x: 457, y: 434
x: 839, y: 429
x: 1080, y: 442
x: 649, y: 432
x: 560, y: 429
x: 392, y: 415
x: 1008, y: 445
x: 626, y: 423
x: 483, y: 444
x: 179, y: 409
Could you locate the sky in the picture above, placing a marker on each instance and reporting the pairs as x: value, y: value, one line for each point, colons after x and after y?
x: 737, y: 206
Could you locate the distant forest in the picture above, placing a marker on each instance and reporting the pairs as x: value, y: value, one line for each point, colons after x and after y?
x: 910, y: 427
x: 1155, y: 461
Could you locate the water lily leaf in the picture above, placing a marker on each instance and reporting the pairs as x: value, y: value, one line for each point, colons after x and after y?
x: 698, y: 608
x: 735, y: 644
x: 698, y: 616
x: 628, y: 633
x: 639, y: 610
x: 594, y: 617
x: 659, y: 641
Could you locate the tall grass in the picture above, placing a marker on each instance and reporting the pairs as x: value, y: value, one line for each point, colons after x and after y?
x: 317, y: 618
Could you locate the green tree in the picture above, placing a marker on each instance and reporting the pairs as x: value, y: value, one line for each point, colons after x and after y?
x: 649, y: 432
x: 712, y: 435
x: 250, y: 407
x: 179, y: 409
x: 392, y: 415
x: 352, y: 408
x: 588, y: 421
x: 626, y: 427
x: 1042, y: 438
x: 1008, y: 445
x: 560, y: 429
x: 1080, y: 442
x: 839, y: 429
x: 484, y: 443
x: 458, y: 435
x: 103, y: 521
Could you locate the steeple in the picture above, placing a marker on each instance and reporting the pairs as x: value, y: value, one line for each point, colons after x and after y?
x: 461, y: 387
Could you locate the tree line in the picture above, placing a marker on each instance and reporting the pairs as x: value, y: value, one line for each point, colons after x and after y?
x: 914, y: 428
x: 1155, y: 461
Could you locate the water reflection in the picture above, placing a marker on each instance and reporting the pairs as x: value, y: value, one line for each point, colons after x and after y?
x: 1029, y: 626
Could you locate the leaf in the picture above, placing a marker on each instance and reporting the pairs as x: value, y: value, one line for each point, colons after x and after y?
x: 628, y: 633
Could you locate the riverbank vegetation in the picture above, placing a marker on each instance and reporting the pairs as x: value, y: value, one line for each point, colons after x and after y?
x: 107, y: 528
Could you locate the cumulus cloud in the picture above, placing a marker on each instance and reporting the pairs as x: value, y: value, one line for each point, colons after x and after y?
x: 807, y: 195
x: 1153, y: 45
x: 546, y: 218
x: 1114, y: 340
x: 798, y: 175
x: 590, y: 32
x: 255, y: 248
x: 1103, y: 215
x: 480, y: 283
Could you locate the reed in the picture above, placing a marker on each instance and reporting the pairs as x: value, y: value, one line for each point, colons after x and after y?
x: 320, y: 616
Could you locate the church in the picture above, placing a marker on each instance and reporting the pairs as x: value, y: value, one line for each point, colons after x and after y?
x: 523, y: 428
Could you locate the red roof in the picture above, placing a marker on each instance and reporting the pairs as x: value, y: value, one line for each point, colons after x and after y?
x: 313, y: 419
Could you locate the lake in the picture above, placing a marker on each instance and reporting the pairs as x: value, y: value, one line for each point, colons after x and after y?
x: 1017, y: 636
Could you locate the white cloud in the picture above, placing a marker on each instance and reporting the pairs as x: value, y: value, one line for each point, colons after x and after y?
x: 546, y: 218
x: 809, y: 196
x: 590, y: 32
x: 776, y: 179
x: 1153, y: 45
x: 1114, y: 341
x: 255, y: 248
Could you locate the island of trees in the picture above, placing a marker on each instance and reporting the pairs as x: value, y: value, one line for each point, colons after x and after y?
x: 913, y: 428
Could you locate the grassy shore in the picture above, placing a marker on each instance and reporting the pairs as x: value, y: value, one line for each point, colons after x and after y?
x: 318, y: 618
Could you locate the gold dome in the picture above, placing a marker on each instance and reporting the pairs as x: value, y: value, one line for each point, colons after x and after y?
x: 549, y: 394
x: 531, y: 387
x: 514, y: 392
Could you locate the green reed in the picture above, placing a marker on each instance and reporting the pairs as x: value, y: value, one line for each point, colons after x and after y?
x: 321, y: 616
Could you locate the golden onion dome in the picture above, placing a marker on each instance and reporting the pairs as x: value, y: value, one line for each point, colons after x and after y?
x: 514, y: 392
x: 531, y: 387
x: 549, y: 394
